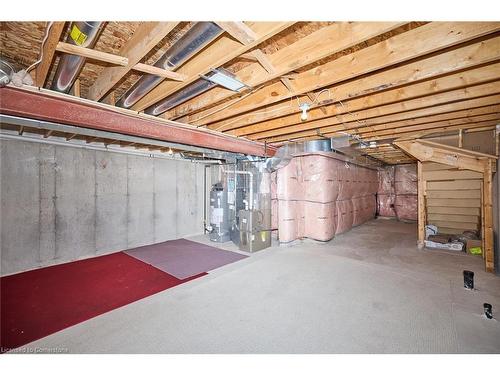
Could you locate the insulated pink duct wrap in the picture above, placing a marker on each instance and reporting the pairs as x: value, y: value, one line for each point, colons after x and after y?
x: 405, y: 179
x: 386, y: 180
x: 406, y: 207
x: 386, y: 205
x: 397, y: 192
x: 320, y: 196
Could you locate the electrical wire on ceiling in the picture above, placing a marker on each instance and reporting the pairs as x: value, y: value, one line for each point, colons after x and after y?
x: 23, y: 77
x: 47, y: 30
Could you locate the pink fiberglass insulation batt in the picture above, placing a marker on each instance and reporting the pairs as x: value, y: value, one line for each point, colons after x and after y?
x: 320, y: 196
x: 386, y: 205
x: 397, y: 191
x: 386, y: 180
x: 406, y: 207
x: 405, y: 179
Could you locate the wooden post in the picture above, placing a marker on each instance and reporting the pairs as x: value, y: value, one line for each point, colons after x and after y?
x: 488, y: 250
x: 76, y: 90
x: 497, y: 139
x: 421, y: 206
x: 460, y: 138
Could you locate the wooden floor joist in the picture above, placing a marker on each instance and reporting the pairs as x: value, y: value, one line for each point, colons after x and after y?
x: 406, y: 46
x: 314, y: 47
x: 217, y: 54
x: 375, y: 81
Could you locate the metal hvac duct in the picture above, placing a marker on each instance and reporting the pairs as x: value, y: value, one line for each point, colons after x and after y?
x: 82, y: 34
x: 196, y: 88
x: 195, y: 39
x: 286, y: 152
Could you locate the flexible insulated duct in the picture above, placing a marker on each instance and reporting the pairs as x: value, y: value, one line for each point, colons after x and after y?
x: 84, y: 34
x: 195, y: 39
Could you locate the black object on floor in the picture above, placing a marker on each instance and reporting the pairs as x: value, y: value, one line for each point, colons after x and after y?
x: 488, y: 310
x: 468, y: 280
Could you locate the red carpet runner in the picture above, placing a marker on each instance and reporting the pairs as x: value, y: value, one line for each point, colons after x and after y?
x: 37, y: 303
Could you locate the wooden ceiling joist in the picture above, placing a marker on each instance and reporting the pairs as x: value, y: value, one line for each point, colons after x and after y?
x: 121, y: 61
x: 373, y: 80
x: 145, y: 38
x: 380, y: 105
x: 490, y: 124
x: 433, y: 103
x: 92, y: 54
x: 216, y: 55
x: 464, y: 58
x: 409, y: 45
x: 487, y: 120
x: 239, y: 31
x: 447, y: 119
x: 308, y: 50
x: 49, y: 49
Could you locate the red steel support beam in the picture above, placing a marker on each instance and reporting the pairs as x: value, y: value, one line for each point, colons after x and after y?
x: 44, y: 106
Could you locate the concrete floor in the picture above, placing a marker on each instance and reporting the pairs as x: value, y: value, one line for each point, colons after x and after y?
x: 367, y: 291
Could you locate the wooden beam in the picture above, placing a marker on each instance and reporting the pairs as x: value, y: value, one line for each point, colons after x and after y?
x: 76, y: 89
x: 445, y: 119
x: 42, y: 70
x: 415, y: 131
x: 360, y: 118
x: 489, y: 255
x: 215, y: 55
x: 418, y: 116
x: 145, y: 38
x: 264, y: 61
x: 406, y: 46
x: 239, y: 31
x: 91, y: 54
x: 454, y: 149
x: 453, y: 156
x: 48, y: 133
x: 248, y: 56
x: 460, y: 138
x: 310, y: 49
x: 312, y: 97
x: 421, y: 206
x: 389, y: 101
x: 164, y: 73
x: 110, y: 98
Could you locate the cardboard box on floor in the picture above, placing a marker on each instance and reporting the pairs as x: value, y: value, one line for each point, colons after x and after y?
x: 472, y: 243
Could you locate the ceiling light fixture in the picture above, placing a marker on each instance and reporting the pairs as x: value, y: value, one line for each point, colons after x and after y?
x: 373, y: 144
x: 304, y: 107
x: 224, y: 78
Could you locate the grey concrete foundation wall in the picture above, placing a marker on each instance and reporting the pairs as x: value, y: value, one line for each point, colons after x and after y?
x: 60, y: 203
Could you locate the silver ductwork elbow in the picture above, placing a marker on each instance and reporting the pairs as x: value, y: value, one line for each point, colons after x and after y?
x: 84, y: 34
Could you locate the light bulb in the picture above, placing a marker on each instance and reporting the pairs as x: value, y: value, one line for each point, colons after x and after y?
x: 304, y: 107
x: 170, y: 152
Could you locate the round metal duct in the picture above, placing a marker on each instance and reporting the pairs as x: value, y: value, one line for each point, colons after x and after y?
x: 6, y: 72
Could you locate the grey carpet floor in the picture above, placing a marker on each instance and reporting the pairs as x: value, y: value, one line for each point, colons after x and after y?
x: 367, y: 291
